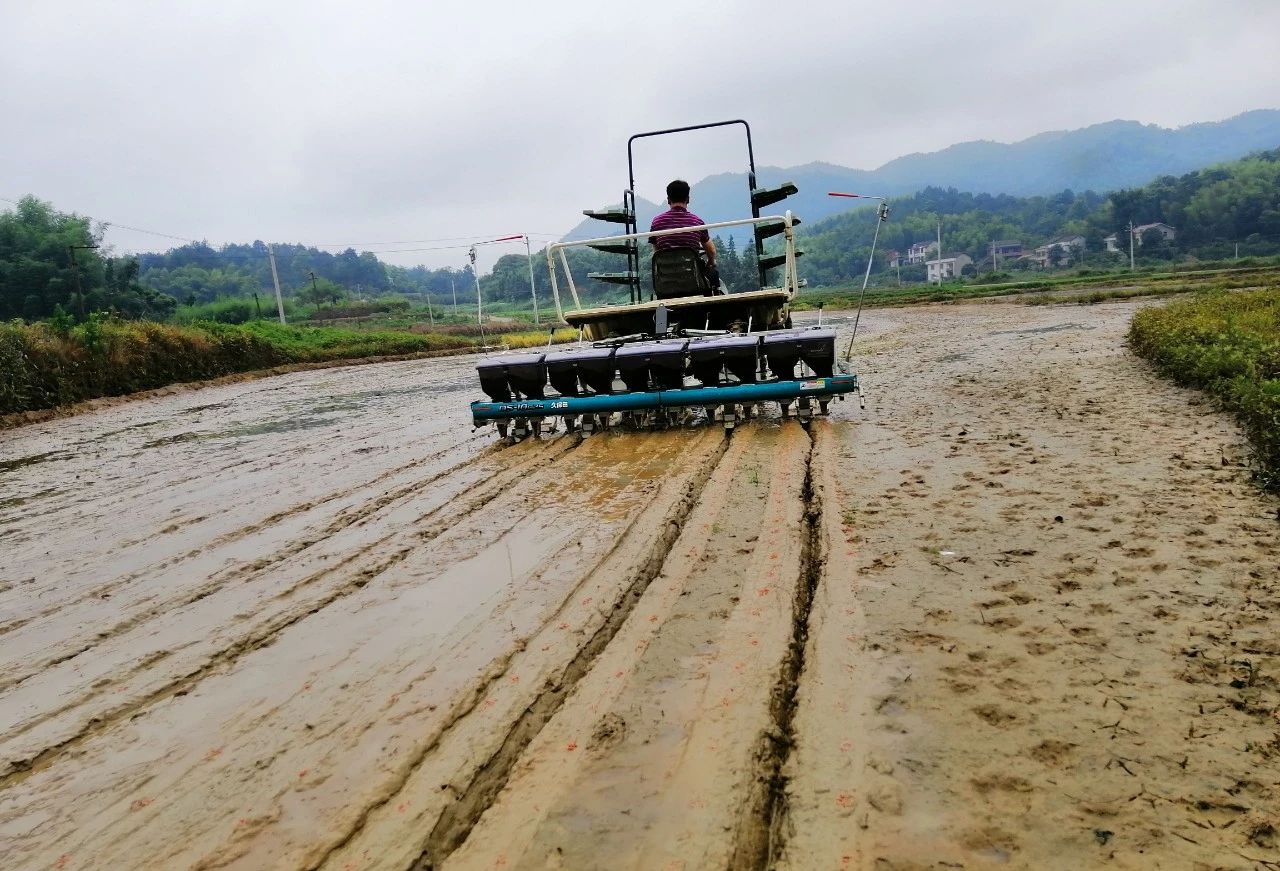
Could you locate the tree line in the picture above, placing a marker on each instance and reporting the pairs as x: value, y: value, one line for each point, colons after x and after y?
x: 1212, y: 210
x: 50, y: 261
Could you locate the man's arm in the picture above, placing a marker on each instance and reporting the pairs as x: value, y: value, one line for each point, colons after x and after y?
x: 710, y: 248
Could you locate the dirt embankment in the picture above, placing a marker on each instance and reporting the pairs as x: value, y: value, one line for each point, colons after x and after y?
x: 1019, y: 613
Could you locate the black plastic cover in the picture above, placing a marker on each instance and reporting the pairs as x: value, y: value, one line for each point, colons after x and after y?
x: 737, y: 354
x: 785, y: 349
x: 659, y: 363
x: 526, y: 375
x: 572, y: 370
x: 493, y: 379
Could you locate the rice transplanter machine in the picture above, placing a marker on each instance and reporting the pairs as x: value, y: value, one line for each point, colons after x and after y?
x: 688, y: 345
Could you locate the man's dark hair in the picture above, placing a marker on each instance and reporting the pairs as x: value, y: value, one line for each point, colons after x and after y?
x: 678, y: 192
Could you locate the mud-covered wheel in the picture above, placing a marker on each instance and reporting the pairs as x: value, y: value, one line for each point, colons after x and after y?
x: 502, y: 430
x: 537, y: 428
x: 822, y: 406
x: 787, y: 323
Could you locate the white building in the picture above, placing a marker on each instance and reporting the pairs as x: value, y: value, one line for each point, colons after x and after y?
x: 947, y: 267
x: 915, y: 255
x: 1166, y: 232
x: 1068, y: 247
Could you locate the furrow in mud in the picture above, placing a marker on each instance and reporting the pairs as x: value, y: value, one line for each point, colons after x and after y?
x: 655, y: 752
x: 90, y: 722
x: 258, y: 569
x: 762, y: 830
x: 349, y: 696
x: 344, y: 518
x: 460, y: 817
x: 471, y: 759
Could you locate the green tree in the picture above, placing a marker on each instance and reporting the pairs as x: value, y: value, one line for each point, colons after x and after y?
x: 322, y: 291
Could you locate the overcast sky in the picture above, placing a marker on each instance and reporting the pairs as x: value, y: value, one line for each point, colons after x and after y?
x: 386, y: 123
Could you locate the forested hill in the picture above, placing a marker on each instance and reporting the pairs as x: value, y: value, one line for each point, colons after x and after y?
x: 1103, y: 157
x: 1212, y: 210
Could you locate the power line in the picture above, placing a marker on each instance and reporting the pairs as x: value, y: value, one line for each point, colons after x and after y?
x: 470, y: 239
x: 127, y: 227
x: 368, y: 245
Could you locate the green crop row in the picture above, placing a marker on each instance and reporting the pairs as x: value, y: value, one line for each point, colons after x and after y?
x: 1229, y: 345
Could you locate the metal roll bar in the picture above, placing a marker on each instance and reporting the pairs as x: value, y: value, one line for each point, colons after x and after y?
x: 790, y: 280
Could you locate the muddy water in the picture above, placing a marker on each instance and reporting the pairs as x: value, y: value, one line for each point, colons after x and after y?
x: 1017, y: 613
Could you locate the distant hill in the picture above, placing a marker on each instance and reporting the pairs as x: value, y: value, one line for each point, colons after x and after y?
x: 1103, y: 157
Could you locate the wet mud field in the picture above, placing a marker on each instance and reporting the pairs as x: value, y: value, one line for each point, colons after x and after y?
x: 1019, y: 612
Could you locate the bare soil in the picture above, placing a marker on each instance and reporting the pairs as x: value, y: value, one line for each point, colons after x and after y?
x: 1020, y: 612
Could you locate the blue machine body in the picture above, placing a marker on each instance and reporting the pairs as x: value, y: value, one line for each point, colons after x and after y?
x: 687, y: 397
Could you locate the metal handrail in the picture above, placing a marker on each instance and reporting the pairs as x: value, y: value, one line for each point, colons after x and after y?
x: 790, y: 281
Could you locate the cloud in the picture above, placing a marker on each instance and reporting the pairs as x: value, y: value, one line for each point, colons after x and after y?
x: 323, y: 121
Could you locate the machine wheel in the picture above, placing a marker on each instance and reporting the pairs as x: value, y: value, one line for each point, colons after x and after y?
x: 502, y: 430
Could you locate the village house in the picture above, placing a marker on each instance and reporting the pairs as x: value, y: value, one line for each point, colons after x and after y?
x: 1166, y: 232
x: 947, y: 267
x: 1007, y: 248
x: 915, y: 255
x: 1067, y: 247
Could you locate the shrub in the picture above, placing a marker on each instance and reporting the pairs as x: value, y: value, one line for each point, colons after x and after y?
x: 45, y: 365
x: 1229, y: 345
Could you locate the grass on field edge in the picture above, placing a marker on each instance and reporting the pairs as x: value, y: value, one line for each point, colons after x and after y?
x: 51, y: 365
x: 1227, y: 344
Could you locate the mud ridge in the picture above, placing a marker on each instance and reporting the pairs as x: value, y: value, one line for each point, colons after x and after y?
x: 458, y: 820
x: 344, y: 519
x: 14, y: 771
x: 761, y: 830
x: 15, y: 419
x: 256, y: 569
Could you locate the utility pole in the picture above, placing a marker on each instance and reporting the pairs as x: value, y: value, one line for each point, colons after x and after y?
x: 533, y: 290
x: 939, y: 251
x: 1131, y: 245
x: 275, y: 279
x: 994, y: 266
x: 314, y: 287
x: 75, y: 270
x: 1237, y: 250
x: 454, y: 291
x: 475, y: 273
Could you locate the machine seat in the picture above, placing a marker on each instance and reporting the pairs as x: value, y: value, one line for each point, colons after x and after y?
x: 679, y: 272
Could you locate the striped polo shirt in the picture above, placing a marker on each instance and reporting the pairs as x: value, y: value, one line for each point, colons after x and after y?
x: 678, y: 216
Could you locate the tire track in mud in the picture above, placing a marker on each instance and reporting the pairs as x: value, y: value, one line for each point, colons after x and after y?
x: 721, y: 663
x: 13, y: 771
x: 478, y: 784
x: 461, y: 817
x: 761, y: 832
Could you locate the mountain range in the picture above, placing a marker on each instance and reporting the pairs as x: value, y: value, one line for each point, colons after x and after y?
x: 1103, y: 157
